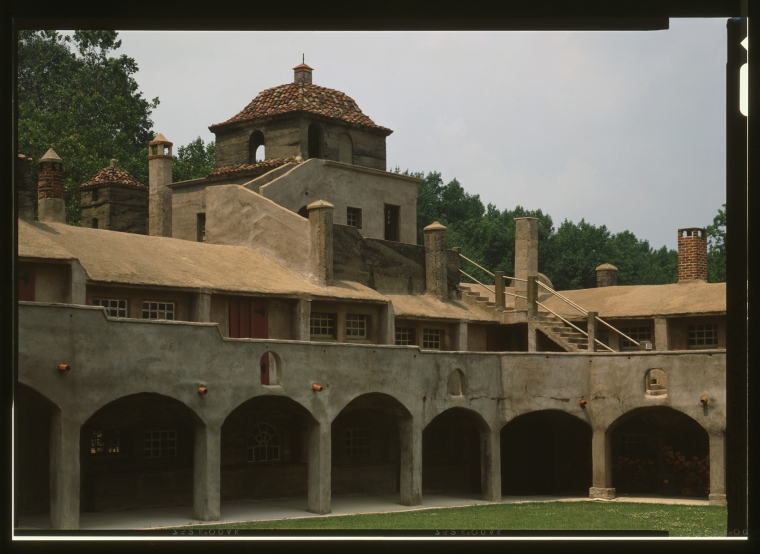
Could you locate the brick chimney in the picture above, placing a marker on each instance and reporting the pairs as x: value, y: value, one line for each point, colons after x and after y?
x: 50, y: 205
x: 606, y: 275
x: 692, y: 254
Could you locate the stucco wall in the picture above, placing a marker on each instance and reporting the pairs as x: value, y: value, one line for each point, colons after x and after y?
x: 51, y: 282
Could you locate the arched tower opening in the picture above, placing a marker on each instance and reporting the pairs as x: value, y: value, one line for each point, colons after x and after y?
x: 315, y: 141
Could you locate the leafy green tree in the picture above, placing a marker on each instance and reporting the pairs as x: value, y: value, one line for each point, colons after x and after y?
x: 84, y: 103
x: 193, y: 161
x: 716, y: 253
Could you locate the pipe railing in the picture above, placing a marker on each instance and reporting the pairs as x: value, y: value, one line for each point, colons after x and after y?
x: 584, y: 312
x: 484, y: 269
x: 486, y: 286
x: 597, y: 341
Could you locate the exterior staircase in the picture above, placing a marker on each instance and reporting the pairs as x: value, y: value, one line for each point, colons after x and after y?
x: 560, y: 332
x: 470, y: 293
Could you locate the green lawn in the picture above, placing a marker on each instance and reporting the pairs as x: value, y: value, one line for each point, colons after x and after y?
x: 680, y: 521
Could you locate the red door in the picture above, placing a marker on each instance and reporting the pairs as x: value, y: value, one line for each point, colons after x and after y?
x: 249, y: 319
x: 26, y: 282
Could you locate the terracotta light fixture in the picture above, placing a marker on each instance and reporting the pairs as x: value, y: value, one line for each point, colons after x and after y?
x: 202, y: 390
x: 583, y: 403
x: 64, y: 367
x: 316, y: 387
x: 703, y: 400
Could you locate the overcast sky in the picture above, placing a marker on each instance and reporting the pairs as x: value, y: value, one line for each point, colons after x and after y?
x: 624, y: 129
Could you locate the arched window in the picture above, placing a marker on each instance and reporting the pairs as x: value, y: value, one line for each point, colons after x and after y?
x: 656, y: 382
x: 256, y: 147
x: 263, y: 444
x: 315, y: 141
x: 455, y: 383
x: 345, y: 149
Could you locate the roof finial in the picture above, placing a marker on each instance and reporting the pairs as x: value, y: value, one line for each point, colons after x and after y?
x: 303, y: 58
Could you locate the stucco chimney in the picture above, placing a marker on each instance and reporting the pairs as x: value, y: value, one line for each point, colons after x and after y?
x: 302, y: 73
x: 50, y: 204
x: 606, y: 275
x: 526, y: 257
x: 692, y: 254
x: 159, y: 194
x: 321, y: 227
x: 436, y: 278
x: 24, y: 188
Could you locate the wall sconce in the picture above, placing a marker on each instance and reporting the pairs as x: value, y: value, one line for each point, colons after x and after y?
x: 703, y: 400
x: 583, y: 403
x: 64, y: 367
x: 202, y: 390
x: 316, y: 387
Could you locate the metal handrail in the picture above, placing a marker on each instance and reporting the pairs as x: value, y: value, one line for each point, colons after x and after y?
x: 484, y: 269
x: 597, y: 341
x: 618, y: 332
x: 478, y: 282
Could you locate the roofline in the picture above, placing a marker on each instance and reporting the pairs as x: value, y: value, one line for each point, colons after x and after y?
x: 228, y: 125
x: 372, y: 171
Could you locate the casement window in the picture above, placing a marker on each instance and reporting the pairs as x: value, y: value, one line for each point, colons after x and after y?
x: 158, y: 310
x: 322, y: 326
x: 405, y: 336
x: 354, y: 217
x: 638, y: 334
x: 263, y: 444
x: 356, y: 326
x: 113, y: 306
x: 703, y: 336
x: 431, y: 339
x: 634, y: 446
x: 105, y: 442
x: 357, y: 442
x: 160, y: 443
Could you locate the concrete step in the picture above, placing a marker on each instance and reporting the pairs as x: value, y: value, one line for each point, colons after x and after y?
x: 481, y: 299
x: 491, y: 304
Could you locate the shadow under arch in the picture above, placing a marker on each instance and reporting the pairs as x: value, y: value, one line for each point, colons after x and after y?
x: 659, y: 450
x: 452, y: 456
x: 137, y: 451
x: 546, y: 452
x: 264, y: 449
x: 367, y: 445
x: 33, y: 412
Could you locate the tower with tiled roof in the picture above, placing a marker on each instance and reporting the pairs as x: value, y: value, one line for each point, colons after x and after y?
x: 112, y: 199
x: 301, y: 119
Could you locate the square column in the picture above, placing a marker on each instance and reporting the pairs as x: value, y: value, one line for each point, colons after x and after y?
x: 320, y: 467
x: 490, y: 465
x: 386, y: 327
x: 717, y: 495
x: 526, y: 256
x: 64, y: 472
x: 661, y: 334
x: 207, y: 473
x: 300, y: 320
x: 592, y: 331
x: 460, y: 336
x: 410, y: 438
x: 601, y: 461
x: 200, y: 306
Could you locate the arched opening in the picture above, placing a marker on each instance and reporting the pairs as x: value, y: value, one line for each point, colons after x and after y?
x: 256, y: 147
x: 270, y: 366
x: 366, y: 446
x: 456, y: 382
x: 345, y: 149
x: 659, y: 450
x: 656, y: 382
x: 264, y: 450
x: 451, y: 453
x: 546, y: 452
x: 315, y: 141
x: 137, y: 452
x: 32, y: 417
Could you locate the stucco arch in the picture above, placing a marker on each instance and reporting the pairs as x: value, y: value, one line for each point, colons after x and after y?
x: 633, y: 412
x: 275, y: 398
x: 375, y: 400
x: 582, y: 416
x: 36, y: 394
x: 87, y: 416
x: 483, y: 425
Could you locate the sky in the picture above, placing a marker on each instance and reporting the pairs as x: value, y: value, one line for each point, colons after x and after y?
x: 622, y: 129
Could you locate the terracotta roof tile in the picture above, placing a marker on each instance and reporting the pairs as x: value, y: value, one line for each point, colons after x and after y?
x: 112, y: 176
x: 255, y: 170
x: 295, y: 97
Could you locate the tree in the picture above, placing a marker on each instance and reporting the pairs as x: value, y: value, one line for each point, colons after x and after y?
x: 716, y: 253
x: 193, y: 161
x: 84, y: 104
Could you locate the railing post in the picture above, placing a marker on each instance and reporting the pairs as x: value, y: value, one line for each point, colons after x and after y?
x: 532, y: 295
x: 499, y: 288
x: 592, y: 331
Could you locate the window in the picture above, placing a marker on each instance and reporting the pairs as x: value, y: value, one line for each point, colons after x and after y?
x: 431, y: 338
x: 636, y: 333
x: 391, y: 222
x: 357, y: 442
x: 94, y: 222
x: 405, y: 336
x: 263, y: 444
x: 200, y: 226
x: 356, y: 326
x: 354, y: 217
x: 160, y: 444
x: 634, y: 446
x: 322, y: 325
x: 105, y: 442
x: 703, y: 336
x: 94, y: 195
x: 114, y: 308
x: 158, y: 310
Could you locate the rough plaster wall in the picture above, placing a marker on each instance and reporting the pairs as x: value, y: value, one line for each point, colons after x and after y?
x: 280, y: 317
x: 343, y: 186
x: 236, y: 216
x: 220, y: 313
x: 187, y: 203
x: 368, y: 147
x: 476, y: 337
x: 51, y: 282
x: 232, y: 147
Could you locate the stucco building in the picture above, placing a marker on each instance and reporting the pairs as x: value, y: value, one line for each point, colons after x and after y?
x: 272, y: 330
